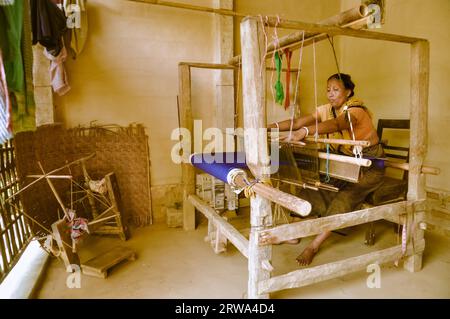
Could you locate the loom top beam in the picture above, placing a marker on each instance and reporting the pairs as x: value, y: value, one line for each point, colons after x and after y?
x: 354, y: 17
x: 336, y: 30
x: 225, y: 12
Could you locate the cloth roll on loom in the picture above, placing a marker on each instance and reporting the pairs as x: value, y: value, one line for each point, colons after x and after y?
x: 230, y: 168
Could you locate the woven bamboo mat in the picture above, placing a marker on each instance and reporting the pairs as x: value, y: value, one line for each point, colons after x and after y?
x: 122, y: 150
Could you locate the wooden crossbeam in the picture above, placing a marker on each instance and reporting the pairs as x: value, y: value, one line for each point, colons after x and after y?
x: 316, y: 226
x: 336, y: 30
x: 308, y: 276
x: 225, y: 228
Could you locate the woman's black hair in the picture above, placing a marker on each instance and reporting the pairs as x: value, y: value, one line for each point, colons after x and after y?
x: 346, y: 80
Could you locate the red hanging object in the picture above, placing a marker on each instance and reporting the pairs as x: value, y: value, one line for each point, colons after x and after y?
x: 288, y: 54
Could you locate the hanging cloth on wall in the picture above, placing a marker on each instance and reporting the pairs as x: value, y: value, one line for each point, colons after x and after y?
x: 288, y: 54
x: 15, y: 43
x: 49, y: 25
x: 77, y: 22
x: 279, y: 93
x: 58, y: 73
x: 11, y: 25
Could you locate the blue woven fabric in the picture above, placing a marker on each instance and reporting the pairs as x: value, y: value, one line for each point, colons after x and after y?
x: 219, y: 164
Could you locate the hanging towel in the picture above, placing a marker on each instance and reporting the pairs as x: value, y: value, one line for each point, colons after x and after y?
x: 15, y: 43
x: 58, y: 74
x: 11, y: 26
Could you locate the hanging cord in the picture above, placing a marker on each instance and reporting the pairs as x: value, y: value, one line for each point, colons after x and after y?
x: 316, y: 135
x: 277, y: 61
x: 331, y: 40
x: 288, y: 54
x: 265, y: 44
x: 327, y: 176
x: 300, y: 59
x: 357, y: 149
x: 273, y: 60
x: 299, y: 69
x: 248, y: 190
x: 238, y: 94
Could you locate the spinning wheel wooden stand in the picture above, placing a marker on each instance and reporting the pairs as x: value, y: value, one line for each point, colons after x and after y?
x: 107, y: 222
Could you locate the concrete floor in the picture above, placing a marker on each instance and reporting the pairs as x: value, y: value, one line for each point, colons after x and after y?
x: 172, y: 263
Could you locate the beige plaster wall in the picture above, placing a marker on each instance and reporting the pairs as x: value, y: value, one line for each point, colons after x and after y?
x: 382, y: 74
x: 128, y: 72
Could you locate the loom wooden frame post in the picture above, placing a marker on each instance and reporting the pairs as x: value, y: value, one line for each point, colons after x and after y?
x: 186, y: 121
x: 256, y: 149
x: 420, y: 73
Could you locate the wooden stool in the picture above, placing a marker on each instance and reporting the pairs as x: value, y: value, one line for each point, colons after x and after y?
x: 99, y: 266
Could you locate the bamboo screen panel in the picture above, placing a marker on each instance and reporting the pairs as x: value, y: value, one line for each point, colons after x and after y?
x: 14, y: 232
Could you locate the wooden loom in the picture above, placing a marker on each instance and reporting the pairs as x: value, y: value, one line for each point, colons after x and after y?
x: 410, y: 213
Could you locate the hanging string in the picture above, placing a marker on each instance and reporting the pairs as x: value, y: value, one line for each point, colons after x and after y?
x: 316, y: 135
x: 299, y: 68
x: 288, y: 54
x: 263, y: 24
x: 276, y: 65
x: 331, y: 40
x: 327, y: 177
x: 351, y: 124
x: 300, y: 59
x: 238, y: 94
x: 275, y: 38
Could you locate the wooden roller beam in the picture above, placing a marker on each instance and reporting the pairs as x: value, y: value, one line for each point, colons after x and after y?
x: 323, y: 141
x: 405, y: 166
x: 295, y: 204
x: 346, y: 159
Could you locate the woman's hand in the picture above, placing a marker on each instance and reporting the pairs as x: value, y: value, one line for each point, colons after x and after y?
x: 296, y: 136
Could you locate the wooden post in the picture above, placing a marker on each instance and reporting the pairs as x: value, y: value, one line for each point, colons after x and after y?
x: 253, y: 75
x: 188, y: 171
x: 420, y: 60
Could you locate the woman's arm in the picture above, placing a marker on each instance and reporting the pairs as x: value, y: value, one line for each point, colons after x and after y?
x: 330, y: 126
x: 298, y: 123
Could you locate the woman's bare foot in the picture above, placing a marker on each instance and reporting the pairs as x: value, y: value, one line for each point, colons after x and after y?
x: 306, y: 257
x: 266, y: 239
x: 290, y: 242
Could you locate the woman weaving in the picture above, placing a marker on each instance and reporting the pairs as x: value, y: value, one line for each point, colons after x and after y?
x: 343, y: 118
